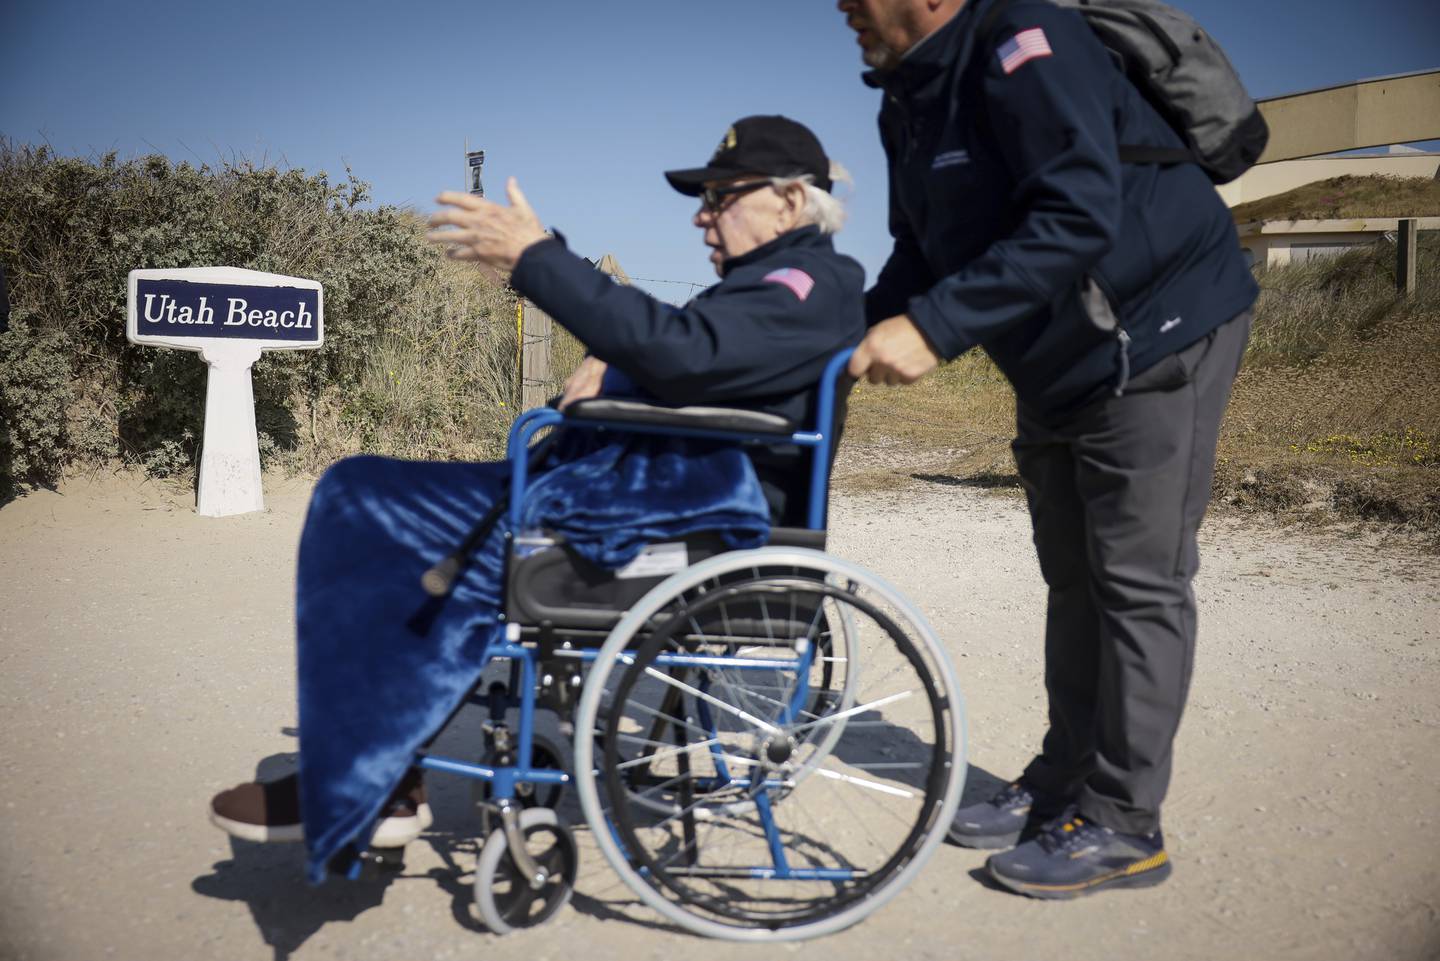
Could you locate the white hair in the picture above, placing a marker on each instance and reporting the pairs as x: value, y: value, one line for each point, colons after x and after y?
x: 821, y: 208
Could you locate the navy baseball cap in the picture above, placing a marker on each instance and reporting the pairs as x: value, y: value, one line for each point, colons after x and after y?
x: 772, y: 146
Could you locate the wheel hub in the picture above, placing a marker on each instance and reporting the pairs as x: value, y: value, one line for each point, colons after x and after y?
x: 777, y: 749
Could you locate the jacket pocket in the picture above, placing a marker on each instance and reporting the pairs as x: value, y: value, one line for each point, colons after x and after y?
x: 1100, y: 308
x: 1098, y: 304
x: 1175, y: 370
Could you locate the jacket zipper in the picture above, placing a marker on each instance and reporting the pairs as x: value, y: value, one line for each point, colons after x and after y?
x: 1124, y: 340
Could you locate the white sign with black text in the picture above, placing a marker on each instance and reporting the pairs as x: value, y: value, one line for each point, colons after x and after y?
x: 229, y: 315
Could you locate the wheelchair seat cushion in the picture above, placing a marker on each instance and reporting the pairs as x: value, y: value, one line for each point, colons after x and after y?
x: 550, y: 583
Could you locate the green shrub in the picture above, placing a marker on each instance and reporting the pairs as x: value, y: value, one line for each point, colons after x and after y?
x: 34, y: 399
x: 73, y: 390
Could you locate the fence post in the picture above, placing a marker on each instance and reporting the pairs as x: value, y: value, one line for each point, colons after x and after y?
x: 519, y: 353
x: 536, y: 334
x: 1406, y: 248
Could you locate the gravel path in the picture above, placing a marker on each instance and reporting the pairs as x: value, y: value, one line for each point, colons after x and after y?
x: 146, y: 660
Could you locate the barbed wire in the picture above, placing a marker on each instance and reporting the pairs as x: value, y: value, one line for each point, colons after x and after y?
x: 681, y: 283
x: 652, y: 280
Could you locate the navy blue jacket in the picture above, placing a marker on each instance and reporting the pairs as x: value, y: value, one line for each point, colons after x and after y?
x: 758, y: 339
x: 1007, y: 197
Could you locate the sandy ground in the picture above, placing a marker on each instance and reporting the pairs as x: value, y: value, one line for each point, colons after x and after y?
x: 146, y: 661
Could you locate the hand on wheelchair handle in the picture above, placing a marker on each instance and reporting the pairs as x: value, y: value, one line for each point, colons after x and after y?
x: 895, y: 351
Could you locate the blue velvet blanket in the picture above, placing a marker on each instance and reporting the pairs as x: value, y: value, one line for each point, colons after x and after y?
x: 382, y: 665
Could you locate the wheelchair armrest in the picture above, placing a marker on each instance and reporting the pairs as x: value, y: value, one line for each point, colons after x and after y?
x: 707, y: 418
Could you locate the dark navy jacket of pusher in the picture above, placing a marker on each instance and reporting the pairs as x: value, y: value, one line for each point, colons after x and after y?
x: 1007, y: 198
x: 758, y: 339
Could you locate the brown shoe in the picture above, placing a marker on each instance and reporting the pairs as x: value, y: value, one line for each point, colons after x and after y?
x: 270, y: 812
x: 260, y: 812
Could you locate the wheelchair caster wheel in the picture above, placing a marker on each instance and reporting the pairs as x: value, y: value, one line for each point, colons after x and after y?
x: 504, y: 895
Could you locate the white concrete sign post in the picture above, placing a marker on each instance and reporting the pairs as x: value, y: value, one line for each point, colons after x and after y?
x: 229, y: 315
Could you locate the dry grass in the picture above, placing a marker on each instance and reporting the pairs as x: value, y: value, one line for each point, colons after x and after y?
x: 439, y: 384
x: 565, y: 355
x: 1352, y: 434
x: 1335, y: 417
x: 956, y: 423
x: 1342, y: 198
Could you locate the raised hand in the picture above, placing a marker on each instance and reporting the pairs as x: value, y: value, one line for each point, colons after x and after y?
x: 481, y: 230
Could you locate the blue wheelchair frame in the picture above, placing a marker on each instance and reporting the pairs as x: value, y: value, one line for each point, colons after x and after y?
x: 504, y: 780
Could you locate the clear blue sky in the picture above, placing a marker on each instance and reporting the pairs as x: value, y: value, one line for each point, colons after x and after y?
x: 586, y: 103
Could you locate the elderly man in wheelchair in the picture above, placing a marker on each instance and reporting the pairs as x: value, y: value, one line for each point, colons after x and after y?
x: 768, y: 742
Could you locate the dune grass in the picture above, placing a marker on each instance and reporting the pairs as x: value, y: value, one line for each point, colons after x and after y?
x: 1344, y: 198
x: 1335, y: 416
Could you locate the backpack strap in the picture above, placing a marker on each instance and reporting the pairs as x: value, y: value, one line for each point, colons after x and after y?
x: 1164, y: 156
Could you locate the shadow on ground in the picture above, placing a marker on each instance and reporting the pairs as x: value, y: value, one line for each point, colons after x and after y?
x: 270, y: 878
x: 982, y: 481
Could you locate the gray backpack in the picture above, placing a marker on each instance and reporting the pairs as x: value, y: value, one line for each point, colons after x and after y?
x: 1184, y: 75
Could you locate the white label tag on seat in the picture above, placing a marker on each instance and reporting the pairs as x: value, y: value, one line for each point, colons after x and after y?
x: 656, y: 560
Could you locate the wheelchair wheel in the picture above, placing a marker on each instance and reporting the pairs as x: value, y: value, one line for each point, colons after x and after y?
x: 729, y: 796
x: 753, y: 625
x: 504, y: 896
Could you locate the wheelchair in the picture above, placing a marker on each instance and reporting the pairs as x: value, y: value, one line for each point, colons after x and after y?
x: 766, y: 744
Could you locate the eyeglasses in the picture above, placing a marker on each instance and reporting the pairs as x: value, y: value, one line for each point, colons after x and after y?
x: 713, y: 198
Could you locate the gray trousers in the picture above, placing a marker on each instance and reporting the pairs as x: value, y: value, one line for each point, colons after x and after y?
x: 1117, y: 491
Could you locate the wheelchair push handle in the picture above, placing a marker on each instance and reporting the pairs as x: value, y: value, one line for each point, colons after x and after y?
x: 737, y: 423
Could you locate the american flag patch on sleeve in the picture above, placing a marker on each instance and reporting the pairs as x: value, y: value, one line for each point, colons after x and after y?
x: 799, y: 282
x: 1020, y: 49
